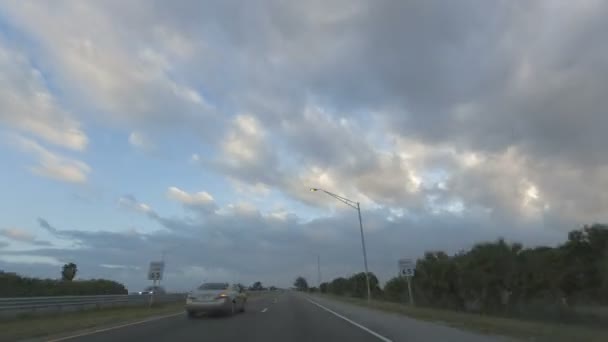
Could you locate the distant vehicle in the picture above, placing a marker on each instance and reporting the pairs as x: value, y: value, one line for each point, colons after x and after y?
x: 216, y: 298
x: 153, y: 290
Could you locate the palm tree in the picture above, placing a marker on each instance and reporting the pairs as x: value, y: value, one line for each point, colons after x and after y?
x: 69, y: 271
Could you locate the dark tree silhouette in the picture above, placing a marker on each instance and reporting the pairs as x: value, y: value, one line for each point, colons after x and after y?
x: 68, y: 271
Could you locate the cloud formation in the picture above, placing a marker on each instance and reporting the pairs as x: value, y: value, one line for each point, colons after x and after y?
x: 29, y: 106
x: 130, y: 75
x: 52, y: 165
x: 462, y: 120
x: 275, y: 244
x: 130, y: 202
x: 22, y: 235
x: 17, y: 234
x: 140, y: 141
x: 199, y: 199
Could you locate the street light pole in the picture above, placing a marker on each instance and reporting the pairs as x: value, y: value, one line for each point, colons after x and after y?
x: 319, y: 271
x: 369, y: 293
x: 356, y: 206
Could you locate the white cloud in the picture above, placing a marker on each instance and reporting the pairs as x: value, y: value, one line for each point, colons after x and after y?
x: 240, y: 208
x: 279, y: 214
x: 131, y: 203
x: 201, y: 198
x: 27, y: 105
x: 424, y: 131
x: 245, y: 142
x: 120, y: 267
x: 247, y: 154
x: 17, y: 234
x: 31, y: 259
x: 141, y: 141
x: 52, y: 165
x: 195, y: 158
x: 127, y: 74
x: 252, y: 190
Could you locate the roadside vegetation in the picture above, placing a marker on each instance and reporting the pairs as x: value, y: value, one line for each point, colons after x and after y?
x: 14, y: 285
x: 47, y: 326
x: 564, y: 284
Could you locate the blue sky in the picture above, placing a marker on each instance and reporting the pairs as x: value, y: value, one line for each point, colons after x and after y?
x: 196, y: 129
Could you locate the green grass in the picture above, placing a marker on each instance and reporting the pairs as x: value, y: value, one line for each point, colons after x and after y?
x: 42, y: 326
x: 525, y: 330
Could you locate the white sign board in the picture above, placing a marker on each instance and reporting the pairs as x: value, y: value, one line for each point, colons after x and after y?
x: 406, y: 267
x: 155, y: 272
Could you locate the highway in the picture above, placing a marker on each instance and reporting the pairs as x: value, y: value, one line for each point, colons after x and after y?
x: 286, y: 316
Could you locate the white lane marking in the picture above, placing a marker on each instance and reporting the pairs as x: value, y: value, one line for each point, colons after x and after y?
x: 265, y: 309
x: 380, y: 337
x: 114, y: 327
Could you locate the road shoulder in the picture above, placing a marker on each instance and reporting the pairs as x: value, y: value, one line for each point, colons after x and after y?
x: 482, y: 324
x: 398, y: 327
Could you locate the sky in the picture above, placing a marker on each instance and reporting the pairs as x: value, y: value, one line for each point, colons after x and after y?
x: 193, y: 130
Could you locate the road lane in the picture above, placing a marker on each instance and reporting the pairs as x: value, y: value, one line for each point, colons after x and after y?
x: 271, y: 317
x: 180, y: 328
x: 288, y: 316
x: 293, y: 318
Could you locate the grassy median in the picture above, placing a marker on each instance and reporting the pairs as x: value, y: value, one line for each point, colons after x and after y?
x: 525, y: 330
x: 49, y: 325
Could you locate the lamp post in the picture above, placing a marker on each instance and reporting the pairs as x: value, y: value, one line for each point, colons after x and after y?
x: 356, y: 206
x: 319, y: 271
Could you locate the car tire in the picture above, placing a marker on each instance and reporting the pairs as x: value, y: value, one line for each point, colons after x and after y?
x: 191, y: 314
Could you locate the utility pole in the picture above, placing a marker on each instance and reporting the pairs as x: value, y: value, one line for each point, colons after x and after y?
x: 369, y: 292
x: 319, y: 271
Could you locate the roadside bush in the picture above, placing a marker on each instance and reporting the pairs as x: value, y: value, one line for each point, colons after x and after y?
x: 14, y: 285
x: 567, y: 283
x: 395, y: 290
x: 354, y: 286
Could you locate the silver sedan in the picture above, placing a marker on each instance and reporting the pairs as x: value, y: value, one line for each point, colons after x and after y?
x: 216, y: 298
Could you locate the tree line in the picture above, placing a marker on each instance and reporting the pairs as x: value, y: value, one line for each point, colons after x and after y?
x: 502, y: 278
x: 14, y: 285
x: 257, y: 286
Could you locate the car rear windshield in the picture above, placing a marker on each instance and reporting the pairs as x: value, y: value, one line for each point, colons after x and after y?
x: 213, y: 286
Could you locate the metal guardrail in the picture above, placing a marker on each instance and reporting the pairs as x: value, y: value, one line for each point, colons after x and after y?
x: 11, y: 307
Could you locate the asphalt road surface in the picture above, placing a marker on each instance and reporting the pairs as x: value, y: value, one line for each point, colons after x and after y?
x: 287, y: 316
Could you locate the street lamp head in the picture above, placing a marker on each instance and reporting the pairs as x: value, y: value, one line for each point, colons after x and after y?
x: 314, y: 189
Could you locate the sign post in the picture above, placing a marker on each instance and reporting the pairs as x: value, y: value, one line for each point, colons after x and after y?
x: 155, y: 273
x: 406, y: 269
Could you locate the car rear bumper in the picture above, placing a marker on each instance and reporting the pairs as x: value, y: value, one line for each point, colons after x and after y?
x: 215, y: 306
